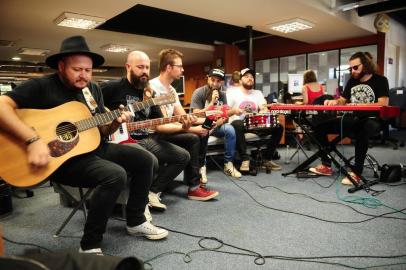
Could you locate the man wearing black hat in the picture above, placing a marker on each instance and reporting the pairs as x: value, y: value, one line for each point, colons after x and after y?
x: 245, y: 99
x: 104, y: 168
x: 206, y: 98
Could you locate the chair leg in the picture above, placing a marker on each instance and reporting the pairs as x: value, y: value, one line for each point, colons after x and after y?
x: 80, y: 204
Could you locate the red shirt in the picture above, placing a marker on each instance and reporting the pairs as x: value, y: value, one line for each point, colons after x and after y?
x: 311, y: 95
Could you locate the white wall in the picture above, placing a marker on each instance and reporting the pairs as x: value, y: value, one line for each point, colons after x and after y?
x: 395, y: 48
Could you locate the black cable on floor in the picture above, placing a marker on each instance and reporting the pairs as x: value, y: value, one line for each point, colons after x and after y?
x: 25, y: 244
x: 332, y: 202
x: 306, y: 215
x: 261, y: 259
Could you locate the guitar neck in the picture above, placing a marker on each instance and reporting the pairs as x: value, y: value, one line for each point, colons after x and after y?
x: 158, y: 121
x: 107, y: 117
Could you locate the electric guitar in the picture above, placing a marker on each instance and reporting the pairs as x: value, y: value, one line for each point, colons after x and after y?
x: 121, y: 136
x: 69, y: 130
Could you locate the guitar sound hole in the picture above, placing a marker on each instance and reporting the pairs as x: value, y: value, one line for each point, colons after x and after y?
x: 66, y: 131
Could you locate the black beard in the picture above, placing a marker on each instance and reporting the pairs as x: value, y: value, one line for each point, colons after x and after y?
x: 359, y: 75
x: 66, y: 82
x: 210, y: 92
x: 248, y: 87
x: 137, y: 82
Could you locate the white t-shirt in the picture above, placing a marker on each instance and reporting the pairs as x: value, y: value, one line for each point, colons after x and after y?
x: 160, y: 89
x: 250, y: 102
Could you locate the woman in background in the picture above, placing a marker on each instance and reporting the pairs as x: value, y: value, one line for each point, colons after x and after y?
x: 311, y: 88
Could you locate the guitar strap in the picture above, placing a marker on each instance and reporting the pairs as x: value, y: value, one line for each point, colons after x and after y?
x: 91, y: 102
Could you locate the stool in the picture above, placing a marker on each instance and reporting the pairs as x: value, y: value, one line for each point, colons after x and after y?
x: 81, y: 203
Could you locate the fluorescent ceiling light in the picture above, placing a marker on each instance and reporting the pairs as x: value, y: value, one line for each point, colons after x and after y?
x: 115, y: 48
x: 100, y: 70
x: 32, y: 51
x: 6, y: 43
x: 68, y: 19
x: 291, y: 25
x: 349, y: 7
x: 16, y: 58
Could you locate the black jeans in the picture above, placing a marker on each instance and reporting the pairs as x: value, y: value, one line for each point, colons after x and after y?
x: 172, y: 160
x: 275, y: 132
x: 195, y: 145
x: 105, y: 169
x: 360, y: 129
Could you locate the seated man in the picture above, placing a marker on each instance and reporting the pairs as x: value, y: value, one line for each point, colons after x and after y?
x: 191, y: 138
x: 364, y: 87
x: 105, y: 168
x: 207, y: 98
x: 246, y: 99
x: 134, y: 88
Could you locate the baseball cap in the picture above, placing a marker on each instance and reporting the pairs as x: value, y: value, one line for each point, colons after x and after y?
x: 216, y: 72
x: 247, y: 70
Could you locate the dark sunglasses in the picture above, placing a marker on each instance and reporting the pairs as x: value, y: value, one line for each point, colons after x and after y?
x: 354, y: 67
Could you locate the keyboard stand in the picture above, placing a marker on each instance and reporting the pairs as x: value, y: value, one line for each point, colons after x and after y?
x: 364, y: 184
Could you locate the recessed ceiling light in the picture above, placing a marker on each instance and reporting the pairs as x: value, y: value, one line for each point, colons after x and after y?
x: 100, y: 70
x: 16, y: 58
x: 32, y: 51
x: 115, y: 48
x: 6, y: 43
x: 291, y: 25
x: 81, y: 21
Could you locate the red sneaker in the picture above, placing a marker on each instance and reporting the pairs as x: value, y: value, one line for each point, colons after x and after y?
x: 322, y: 170
x: 202, y: 194
x: 347, y: 181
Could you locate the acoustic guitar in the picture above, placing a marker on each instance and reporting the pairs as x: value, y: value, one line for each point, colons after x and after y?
x: 69, y: 130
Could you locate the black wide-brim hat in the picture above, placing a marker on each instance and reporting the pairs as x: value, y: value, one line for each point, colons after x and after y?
x: 74, y: 45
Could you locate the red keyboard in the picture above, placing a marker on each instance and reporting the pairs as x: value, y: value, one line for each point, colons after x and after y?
x: 384, y: 111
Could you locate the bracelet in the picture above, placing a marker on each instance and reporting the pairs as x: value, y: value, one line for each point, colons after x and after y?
x: 31, y: 140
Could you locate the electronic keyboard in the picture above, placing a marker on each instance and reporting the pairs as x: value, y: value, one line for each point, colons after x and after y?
x: 384, y: 111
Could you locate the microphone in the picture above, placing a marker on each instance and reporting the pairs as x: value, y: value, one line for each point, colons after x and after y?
x: 217, y: 96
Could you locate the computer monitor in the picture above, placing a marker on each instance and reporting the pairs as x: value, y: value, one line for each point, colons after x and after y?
x: 295, y: 83
x: 179, y: 85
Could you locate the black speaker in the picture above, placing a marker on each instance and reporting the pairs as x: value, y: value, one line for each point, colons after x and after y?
x: 391, y: 173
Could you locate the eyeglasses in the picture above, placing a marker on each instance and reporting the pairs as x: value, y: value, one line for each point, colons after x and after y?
x: 179, y: 66
x: 354, y: 67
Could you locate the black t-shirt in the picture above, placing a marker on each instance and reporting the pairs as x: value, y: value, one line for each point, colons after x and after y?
x: 49, y: 91
x: 120, y: 91
x: 366, y: 92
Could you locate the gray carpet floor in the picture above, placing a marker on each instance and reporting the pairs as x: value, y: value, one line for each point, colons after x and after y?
x: 259, y: 222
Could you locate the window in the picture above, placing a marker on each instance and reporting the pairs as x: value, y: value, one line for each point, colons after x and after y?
x: 325, y: 65
x: 331, y: 68
x: 291, y: 65
x: 266, y: 78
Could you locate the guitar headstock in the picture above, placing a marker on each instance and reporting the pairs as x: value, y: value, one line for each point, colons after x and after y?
x: 164, y: 99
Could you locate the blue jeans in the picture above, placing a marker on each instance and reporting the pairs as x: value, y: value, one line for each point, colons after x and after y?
x: 227, y: 131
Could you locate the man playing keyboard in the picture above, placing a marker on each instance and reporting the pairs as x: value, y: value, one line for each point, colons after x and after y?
x: 364, y: 87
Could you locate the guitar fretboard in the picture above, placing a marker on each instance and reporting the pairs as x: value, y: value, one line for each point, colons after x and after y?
x: 104, y: 118
x: 158, y: 121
